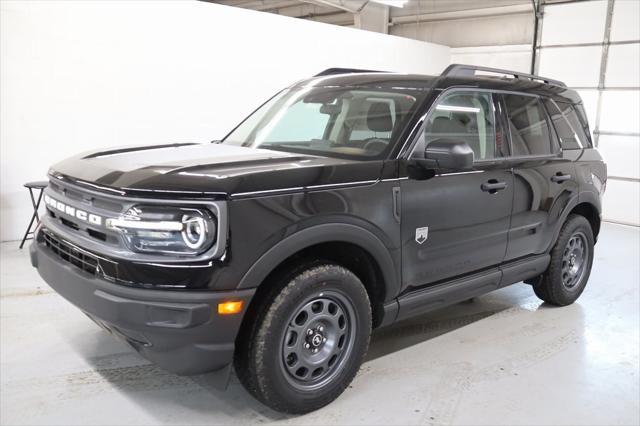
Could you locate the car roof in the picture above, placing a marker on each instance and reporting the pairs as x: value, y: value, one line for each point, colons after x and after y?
x: 416, y: 82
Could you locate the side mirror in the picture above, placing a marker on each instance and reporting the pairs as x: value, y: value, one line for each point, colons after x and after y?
x: 449, y: 154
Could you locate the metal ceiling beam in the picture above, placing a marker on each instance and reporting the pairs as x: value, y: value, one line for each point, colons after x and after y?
x: 338, y: 4
x: 463, y: 14
x: 262, y: 5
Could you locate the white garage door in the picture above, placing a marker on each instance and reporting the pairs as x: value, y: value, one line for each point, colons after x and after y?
x: 594, y: 47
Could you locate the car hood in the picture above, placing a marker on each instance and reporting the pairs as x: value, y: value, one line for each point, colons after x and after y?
x: 209, y: 169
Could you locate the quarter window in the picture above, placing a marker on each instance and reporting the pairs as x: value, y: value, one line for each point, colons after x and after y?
x: 565, y: 121
x: 528, y: 126
x: 465, y: 116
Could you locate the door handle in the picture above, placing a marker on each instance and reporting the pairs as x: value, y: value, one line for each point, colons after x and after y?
x: 493, y: 186
x: 559, y: 178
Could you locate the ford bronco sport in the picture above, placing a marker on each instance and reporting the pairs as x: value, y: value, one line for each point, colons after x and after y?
x: 346, y: 202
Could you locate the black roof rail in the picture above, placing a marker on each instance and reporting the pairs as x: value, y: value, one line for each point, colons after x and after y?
x: 461, y: 70
x: 332, y: 71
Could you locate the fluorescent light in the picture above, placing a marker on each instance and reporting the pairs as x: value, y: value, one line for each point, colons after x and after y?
x: 455, y: 108
x: 394, y: 3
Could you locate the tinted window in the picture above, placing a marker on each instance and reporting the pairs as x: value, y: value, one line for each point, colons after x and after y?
x: 569, y: 128
x: 528, y: 126
x: 465, y: 116
x: 564, y: 130
x: 581, y: 116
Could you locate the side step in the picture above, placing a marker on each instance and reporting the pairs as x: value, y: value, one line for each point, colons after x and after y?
x: 431, y: 298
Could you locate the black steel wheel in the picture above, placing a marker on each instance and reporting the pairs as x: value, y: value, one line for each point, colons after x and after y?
x: 574, y: 260
x: 318, y: 339
x: 306, y: 340
x: 570, y: 266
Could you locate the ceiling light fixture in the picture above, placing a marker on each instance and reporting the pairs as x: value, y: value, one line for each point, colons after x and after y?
x: 394, y: 3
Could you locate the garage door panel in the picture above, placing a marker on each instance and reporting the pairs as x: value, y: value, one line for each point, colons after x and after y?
x: 622, y: 154
x: 620, y: 111
x: 622, y: 202
x: 625, y: 24
x: 623, y: 66
x: 575, y: 66
x: 560, y: 25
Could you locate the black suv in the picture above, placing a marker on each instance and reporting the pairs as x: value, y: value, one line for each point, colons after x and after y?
x: 346, y: 202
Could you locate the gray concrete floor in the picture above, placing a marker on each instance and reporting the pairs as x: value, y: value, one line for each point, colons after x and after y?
x: 504, y: 358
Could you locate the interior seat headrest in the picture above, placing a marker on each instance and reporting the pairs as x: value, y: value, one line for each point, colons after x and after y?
x: 379, y: 117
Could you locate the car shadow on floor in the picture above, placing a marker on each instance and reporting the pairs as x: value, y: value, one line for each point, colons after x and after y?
x: 162, y: 393
x: 413, y: 331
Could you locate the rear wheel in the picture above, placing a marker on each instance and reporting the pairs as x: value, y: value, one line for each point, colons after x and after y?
x: 571, y: 259
x: 307, y: 343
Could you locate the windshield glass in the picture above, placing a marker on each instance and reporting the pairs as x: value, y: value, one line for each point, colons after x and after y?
x: 354, y: 123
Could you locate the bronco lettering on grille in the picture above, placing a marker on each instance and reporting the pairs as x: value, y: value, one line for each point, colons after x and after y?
x: 72, y: 211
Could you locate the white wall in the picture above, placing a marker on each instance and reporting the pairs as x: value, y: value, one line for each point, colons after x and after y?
x: 479, y: 31
x: 79, y: 75
x: 509, y: 57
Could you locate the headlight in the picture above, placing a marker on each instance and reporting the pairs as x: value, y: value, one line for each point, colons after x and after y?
x: 169, y: 230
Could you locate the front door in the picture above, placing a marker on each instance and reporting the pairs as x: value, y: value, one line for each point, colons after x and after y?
x: 457, y: 222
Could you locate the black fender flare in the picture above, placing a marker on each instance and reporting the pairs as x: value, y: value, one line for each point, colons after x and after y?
x: 583, y: 197
x: 593, y: 198
x: 324, y: 233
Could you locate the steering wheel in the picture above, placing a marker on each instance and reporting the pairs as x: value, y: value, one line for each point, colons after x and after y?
x: 375, y: 144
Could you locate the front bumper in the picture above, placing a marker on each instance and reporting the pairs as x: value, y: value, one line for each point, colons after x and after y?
x: 180, y: 331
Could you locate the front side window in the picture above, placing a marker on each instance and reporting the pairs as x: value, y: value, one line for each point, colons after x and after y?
x: 528, y: 126
x: 354, y: 123
x: 465, y: 116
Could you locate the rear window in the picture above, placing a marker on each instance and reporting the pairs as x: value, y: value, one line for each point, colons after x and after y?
x: 567, y: 125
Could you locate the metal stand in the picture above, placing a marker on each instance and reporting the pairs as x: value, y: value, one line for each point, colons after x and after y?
x: 31, y: 186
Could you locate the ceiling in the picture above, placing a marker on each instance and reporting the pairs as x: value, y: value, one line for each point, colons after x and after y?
x: 342, y: 12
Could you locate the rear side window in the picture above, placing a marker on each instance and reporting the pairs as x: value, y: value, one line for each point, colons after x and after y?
x: 528, y: 126
x: 566, y: 123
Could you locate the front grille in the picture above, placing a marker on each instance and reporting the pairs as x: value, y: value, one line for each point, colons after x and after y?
x: 78, y: 257
x: 90, y: 203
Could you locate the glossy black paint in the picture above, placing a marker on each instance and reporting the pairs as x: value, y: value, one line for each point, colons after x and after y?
x: 468, y: 227
x: 486, y: 226
x: 273, y: 195
x: 208, y: 170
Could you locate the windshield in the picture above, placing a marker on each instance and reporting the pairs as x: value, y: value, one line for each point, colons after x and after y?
x: 353, y: 123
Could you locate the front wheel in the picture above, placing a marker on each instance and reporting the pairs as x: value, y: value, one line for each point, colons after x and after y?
x: 308, y: 341
x: 571, y: 259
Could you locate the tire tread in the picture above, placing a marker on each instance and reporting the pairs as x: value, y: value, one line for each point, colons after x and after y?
x: 550, y: 288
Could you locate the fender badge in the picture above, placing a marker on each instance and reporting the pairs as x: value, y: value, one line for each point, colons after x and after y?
x: 422, y: 234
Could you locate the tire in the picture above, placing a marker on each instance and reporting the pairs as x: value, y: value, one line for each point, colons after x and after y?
x: 291, y: 369
x: 565, y: 279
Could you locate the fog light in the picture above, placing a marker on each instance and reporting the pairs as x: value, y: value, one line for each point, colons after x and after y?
x: 229, y: 308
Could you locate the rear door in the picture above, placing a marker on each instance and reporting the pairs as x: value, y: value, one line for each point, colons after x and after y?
x: 454, y: 223
x: 544, y: 181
